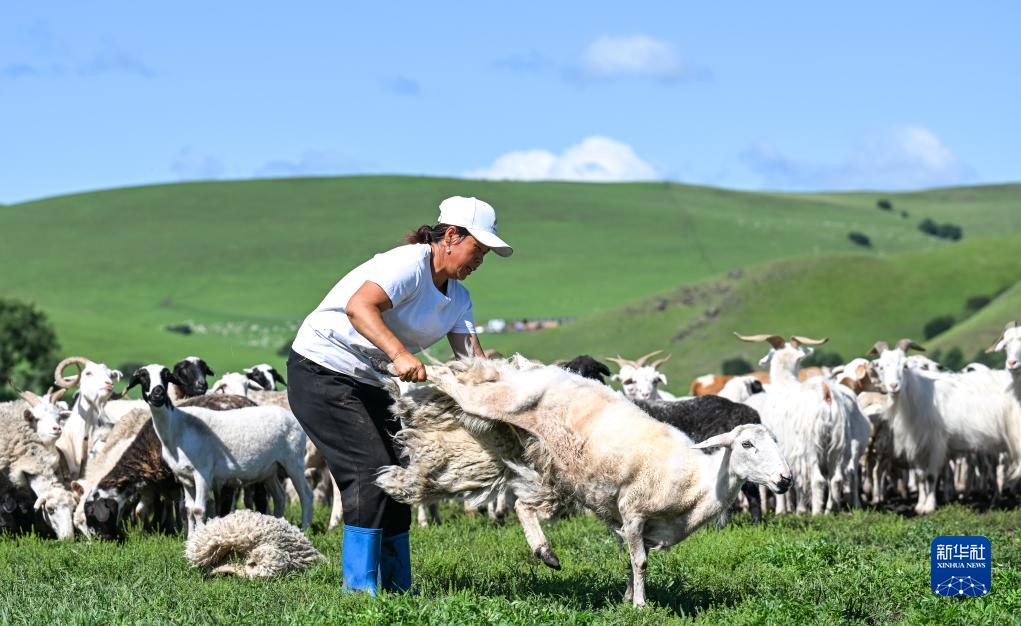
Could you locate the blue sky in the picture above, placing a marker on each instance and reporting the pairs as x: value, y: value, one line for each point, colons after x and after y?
x: 743, y: 95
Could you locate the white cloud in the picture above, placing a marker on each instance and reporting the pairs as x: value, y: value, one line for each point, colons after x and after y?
x: 598, y: 159
x: 635, y: 55
x: 903, y: 157
x: 190, y: 164
x: 312, y: 163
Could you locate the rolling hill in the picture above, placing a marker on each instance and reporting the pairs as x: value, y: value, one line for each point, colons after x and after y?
x: 240, y: 263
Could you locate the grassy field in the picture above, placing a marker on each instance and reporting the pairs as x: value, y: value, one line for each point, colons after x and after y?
x: 243, y: 262
x: 866, y: 567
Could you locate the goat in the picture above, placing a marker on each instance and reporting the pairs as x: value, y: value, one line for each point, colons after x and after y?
x: 644, y: 478
x: 208, y: 449
x: 640, y: 381
x: 88, y: 422
x: 934, y: 415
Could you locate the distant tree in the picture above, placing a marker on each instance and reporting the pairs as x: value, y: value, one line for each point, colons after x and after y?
x: 953, y: 232
x: 976, y: 303
x: 953, y: 359
x: 823, y: 358
x: 929, y: 227
x: 937, y: 325
x: 28, y: 348
x: 884, y: 204
x: 860, y: 239
x: 904, y: 214
x: 736, y: 367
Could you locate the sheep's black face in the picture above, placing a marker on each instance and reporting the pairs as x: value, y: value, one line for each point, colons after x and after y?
x: 191, y: 374
x: 154, y: 380
x: 259, y: 377
x: 101, y: 515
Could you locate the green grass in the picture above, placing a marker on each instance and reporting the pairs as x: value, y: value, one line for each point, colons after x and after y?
x: 248, y: 260
x: 866, y: 567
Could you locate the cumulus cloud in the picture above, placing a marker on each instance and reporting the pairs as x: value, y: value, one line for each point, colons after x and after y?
x: 599, y: 159
x: 312, y: 163
x: 904, y: 157
x: 191, y: 164
x: 53, y: 57
x: 634, y: 55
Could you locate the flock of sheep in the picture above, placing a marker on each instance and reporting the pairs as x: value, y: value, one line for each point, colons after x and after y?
x: 514, y: 433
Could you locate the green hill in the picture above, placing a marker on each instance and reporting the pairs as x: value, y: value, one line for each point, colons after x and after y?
x: 242, y: 262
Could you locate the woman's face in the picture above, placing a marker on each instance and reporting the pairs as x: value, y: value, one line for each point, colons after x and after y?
x: 466, y: 255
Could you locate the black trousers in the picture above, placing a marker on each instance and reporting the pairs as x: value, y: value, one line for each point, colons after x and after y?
x: 351, y: 425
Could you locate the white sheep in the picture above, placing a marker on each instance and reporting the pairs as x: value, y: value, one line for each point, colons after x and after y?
x: 27, y: 462
x: 266, y: 376
x: 647, y: 480
x: 640, y: 381
x: 936, y: 416
x: 209, y: 449
x: 236, y: 384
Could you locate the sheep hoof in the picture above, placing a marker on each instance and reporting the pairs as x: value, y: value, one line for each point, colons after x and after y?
x: 547, y: 556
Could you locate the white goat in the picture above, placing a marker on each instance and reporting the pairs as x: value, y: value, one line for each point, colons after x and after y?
x: 640, y: 381
x: 210, y: 449
x: 647, y: 480
x: 935, y: 415
x: 88, y: 423
x: 812, y: 420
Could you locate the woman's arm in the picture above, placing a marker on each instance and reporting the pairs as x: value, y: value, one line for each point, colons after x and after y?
x: 465, y: 345
x: 365, y: 310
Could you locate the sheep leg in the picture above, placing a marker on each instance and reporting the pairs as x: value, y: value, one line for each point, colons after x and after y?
x: 276, y: 492
x: 536, y: 539
x: 632, y: 532
x: 818, y: 490
x: 337, y: 512
x: 197, y: 510
x: 751, y: 492
x: 855, y: 473
x: 295, y: 469
x: 423, y: 521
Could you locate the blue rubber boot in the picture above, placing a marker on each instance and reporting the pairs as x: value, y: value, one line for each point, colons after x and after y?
x: 395, y: 563
x: 360, y: 559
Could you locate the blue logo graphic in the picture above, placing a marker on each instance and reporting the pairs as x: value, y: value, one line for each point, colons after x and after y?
x: 961, y: 566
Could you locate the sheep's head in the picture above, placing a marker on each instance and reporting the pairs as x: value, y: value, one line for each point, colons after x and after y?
x: 192, y: 372
x: 755, y: 456
x: 638, y: 380
x: 46, y: 414
x: 1010, y: 342
x: 102, y: 512
x: 858, y: 375
x: 57, y: 508
x: 922, y: 363
x: 265, y: 376
x: 235, y: 384
x: 784, y: 355
x: 94, y: 380
x: 587, y: 367
x: 890, y: 365
x: 154, y: 380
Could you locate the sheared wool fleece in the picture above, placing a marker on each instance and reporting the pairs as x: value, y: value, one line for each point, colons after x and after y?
x: 250, y: 544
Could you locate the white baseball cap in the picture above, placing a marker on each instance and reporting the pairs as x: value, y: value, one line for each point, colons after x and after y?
x: 478, y: 217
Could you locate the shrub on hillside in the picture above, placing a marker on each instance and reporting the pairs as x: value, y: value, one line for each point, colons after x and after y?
x: 823, y: 358
x: 860, y: 239
x: 736, y: 367
x: 884, y: 204
x: 953, y: 232
x: 937, y: 325
x: 28, y: 348
x: 976, y: 303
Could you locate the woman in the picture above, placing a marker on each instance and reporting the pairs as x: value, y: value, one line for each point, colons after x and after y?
x: 400, y: 302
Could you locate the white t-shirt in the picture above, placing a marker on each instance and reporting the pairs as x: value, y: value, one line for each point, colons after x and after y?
x: 421, y: 314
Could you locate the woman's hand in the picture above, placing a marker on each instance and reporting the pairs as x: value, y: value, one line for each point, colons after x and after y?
x: 409, y: 368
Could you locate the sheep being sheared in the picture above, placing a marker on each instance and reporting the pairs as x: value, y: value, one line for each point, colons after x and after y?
x: 263, y: 546
x: 647, y: 480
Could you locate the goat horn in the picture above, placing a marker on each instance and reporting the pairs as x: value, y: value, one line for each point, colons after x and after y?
x: 639, y: 362
x: 808, y: 341
x: 55, y: 394
x: 655, y: 364
x: 58, y: 374
x: 774, y: 340
x: 621, y: 361
x: 1011, y: 324
x: 27, y: 396
x: 909, y: 344
x: 879, y: 348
